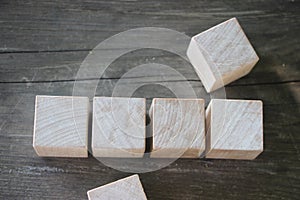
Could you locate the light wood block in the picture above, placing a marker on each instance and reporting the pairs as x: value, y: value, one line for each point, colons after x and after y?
x: 119, y: 127
x: 221, y: 54
x: 234, y: 129
x: 123, y: 189
x: 178, y: 128
x: 61, y: 126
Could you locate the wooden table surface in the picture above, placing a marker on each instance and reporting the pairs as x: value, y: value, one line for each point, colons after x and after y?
x: 43, y: 44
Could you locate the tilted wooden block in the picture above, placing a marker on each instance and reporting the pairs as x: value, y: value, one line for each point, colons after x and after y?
x: 119, y: 127
x: 178, y: 128
x: 221, y: 54
x: 61, y: 126
x: 234, y: 129
x: 123, y: 189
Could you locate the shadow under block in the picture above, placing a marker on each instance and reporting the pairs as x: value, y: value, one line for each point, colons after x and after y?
x: 178, y: 128
x: 234, y: 129
x: 119, y: 127
x: 126, y: 188
x: 61, y: 126
x: 221, y: 54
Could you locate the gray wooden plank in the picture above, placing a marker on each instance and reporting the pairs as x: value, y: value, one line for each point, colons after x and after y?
x: 49, y: 67
x: 76, y: 25
x: 55, y: 43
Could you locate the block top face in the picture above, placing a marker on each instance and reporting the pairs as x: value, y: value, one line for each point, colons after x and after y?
x: 119, y: 123
x: 226, y: 47
x: 177, y: 123
x: 61, y: 121
x: 236, y: 124
x: 124, y: 189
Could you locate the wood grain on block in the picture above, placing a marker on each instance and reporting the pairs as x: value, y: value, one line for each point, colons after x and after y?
x: 234, y: 129
x: 178, y: 127
x: 221, y: 54
x: 61, y: 126
x: 119, y: 127
x: 123, y: 189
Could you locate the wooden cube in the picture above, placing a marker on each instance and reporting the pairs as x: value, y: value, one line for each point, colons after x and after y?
x: 126, y: 188
x: 221, y: 54
x: 178, y: 128
x: 234, y: 129
x: 61, y: 126
x: 119, y: 127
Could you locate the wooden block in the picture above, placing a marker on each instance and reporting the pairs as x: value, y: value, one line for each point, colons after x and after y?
x: 61, y: 126
x: 119, y: 127
x: 221, y: 54
x: 234, y: 129
x: 127, y: 188
x: 178, y: 128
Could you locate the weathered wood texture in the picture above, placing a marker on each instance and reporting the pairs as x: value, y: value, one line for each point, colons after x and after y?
x: 43, y: 44
x: 234, y: 129
x: 178, y: 128
x: 61, y: 126
x: 221, y: 54
x: 119, y: 127
x: 126, y: 188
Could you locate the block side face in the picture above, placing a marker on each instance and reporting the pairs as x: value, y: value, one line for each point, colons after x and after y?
x: 240, y: 128
x: 118, y: 153
x: 227, y: 47
x: 208, y: 128
x: 166, y: 153
x: 201, y: 65
x: 193, y: 153
x: 119, y: 123
x: 178, y: 124
x: 127, y: 188
x: 61, y: 121
x: 176, y: 152
x: 34, y: 122
x: 233, y: 154
x: 72, y: 152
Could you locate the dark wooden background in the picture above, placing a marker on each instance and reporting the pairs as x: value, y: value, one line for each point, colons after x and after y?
x: 42, y: 44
